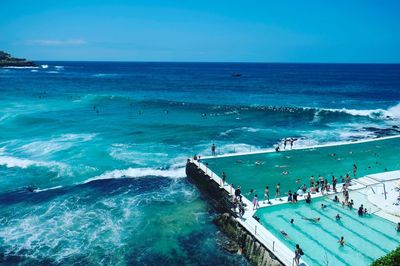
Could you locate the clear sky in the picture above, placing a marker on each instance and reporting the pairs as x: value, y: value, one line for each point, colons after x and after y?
x: 166, y: 30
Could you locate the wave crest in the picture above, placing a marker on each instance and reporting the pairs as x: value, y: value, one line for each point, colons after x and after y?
x: 140, y: 172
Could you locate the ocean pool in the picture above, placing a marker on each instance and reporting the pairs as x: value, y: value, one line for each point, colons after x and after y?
x: 366, y: 238
x: 292, y: 168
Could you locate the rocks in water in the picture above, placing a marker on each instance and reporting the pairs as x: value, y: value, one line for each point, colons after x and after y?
x: 6, y: 60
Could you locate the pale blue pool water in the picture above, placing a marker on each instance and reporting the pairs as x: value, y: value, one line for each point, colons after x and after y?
x: 367, y: 238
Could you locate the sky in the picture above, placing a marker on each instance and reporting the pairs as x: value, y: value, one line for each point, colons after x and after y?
x: 340, y: 31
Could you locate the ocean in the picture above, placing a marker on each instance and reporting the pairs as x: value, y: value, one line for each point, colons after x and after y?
x: 92, y: 154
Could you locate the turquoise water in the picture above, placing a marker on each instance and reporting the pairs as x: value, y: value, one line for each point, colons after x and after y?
x: 294, y: 168
x: 106, y: 144
x: 366, y: 238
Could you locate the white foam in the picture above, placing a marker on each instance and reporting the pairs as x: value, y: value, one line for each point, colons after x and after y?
x: 391, y: 113
x: 10, y: 162
x: 43, y: 148
x: 59, y: 67
x: 44, y: 66
x: 239, y: 147
x: 21, y: 67
x: 140, y: 172
x: 128, y: 154
x: 103, y: 75
x: 46, y: 189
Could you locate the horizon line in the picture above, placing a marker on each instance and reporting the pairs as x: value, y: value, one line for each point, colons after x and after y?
x: 221, y: 62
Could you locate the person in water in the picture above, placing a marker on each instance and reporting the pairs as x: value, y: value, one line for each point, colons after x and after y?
x: 314, y: 220
x: 292, y: 221
x: 323, y: 206
x: 336, y: 199
x: 341, y: 241
x: 351, y: 203
x: 338, y: 217
x: 284, y: 233
x: 398, y: 227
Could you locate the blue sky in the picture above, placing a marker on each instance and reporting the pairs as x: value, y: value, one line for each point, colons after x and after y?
x: 229, y: 31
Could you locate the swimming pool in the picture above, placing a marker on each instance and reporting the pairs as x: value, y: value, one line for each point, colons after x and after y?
x: 294, y: 167
x: 367, y: 238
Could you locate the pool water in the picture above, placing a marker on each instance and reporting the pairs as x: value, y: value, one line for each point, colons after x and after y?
x: 255, y: 171
x: 366, y: 238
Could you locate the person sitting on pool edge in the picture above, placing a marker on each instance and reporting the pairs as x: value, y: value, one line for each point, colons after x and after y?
x: 360, y: 210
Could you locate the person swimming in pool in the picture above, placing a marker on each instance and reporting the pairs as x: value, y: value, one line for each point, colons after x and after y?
x: 336, y: 199
x: 397, y: 228
x: 341, y: 241
x: 338, y: 217
x: 284, y: 233
x: 323, y: 206
x: 314, y: 220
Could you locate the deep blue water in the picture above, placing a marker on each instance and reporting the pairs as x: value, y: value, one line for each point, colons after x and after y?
x: 106, y: 144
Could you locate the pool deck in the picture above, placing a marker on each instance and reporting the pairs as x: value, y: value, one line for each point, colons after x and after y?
x: 389, y: 182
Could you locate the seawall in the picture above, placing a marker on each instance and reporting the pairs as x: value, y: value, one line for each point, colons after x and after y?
x: 243, y: 241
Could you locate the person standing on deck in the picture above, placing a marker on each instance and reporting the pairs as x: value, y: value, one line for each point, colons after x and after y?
x: 213, y: 149
x: 223, y: 178
x: 266, y: 195
x: 312, y: 181
x: 298, y: 252
x: 354, y: 170
x: 255, y: 202
x: 334, y: 182
x: 278, y: 192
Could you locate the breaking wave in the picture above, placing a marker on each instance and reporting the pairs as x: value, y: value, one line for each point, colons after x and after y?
x: 140, y: 172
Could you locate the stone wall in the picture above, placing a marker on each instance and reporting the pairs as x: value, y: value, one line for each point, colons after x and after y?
x: 241, y: 241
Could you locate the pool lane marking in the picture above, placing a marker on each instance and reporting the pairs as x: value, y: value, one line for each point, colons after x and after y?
x: 352, y: 231
x: 365, y: 224
x: 318, y: 242
x: 318, y: 225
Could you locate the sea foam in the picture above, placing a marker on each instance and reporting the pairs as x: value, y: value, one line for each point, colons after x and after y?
x: 140, y: 172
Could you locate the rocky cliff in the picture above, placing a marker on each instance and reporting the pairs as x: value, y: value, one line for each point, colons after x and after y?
x: 6, y: 60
